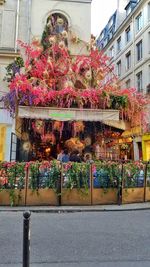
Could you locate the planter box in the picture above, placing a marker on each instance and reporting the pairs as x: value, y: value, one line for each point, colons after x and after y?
x: 104, y: 196
x: 147, y: 194
x: 75, y: 197
x: 41, y: 197
x: 132, y: 195
x: 19, y: 197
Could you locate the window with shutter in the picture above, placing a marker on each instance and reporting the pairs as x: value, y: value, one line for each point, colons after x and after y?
x: 8, y: 29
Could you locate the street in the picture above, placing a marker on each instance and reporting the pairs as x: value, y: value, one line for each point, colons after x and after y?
x: 105, y: 239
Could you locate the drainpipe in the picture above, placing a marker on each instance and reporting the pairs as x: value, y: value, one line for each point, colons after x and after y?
x: 17, y: 25
x: 29, y: 20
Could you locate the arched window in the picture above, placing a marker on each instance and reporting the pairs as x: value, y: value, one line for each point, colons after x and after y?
x: 56, y: 25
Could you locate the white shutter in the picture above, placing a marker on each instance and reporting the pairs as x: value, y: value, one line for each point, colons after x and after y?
x: 8, y: 29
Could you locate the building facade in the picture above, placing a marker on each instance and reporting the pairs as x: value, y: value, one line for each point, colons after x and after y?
x: 129, y: 50
x: 24, y: 20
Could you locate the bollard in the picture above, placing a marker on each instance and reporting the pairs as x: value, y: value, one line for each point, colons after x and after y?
x: 26, y: 239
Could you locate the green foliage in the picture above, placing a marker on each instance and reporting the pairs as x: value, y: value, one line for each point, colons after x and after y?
x: 133, y: 174
x: 118, y: 102
x: 77, y: 175
x: 13, y: 68
x: 107, y: 174
x: 12, y: 177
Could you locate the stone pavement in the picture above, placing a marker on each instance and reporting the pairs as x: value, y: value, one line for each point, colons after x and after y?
x: 59, y: 209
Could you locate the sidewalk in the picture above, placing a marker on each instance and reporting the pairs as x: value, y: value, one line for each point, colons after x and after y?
x: 61, y: 209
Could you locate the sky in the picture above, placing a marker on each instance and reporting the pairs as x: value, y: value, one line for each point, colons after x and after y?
x: 101, y: 10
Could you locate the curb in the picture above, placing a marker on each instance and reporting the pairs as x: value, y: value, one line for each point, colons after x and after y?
x: 72, y: 210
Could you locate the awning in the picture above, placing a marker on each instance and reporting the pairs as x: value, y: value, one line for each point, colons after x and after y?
x: 122, y: 125
x: 66, y: 114
x: 133, y: 131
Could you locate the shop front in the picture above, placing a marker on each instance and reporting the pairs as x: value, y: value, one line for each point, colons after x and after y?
x: 146, y: 146
x: 44, y: 132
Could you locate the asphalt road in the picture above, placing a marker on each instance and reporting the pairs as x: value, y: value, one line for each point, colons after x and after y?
x: 105, y: 239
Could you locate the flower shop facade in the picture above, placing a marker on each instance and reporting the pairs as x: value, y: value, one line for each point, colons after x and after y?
x: 43, y: 132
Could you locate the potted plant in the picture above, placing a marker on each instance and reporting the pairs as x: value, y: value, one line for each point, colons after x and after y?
x: 76, y: 184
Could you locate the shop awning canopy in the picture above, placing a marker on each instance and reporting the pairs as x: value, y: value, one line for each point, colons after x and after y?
x: 122, y: 125
x: 67, y: 114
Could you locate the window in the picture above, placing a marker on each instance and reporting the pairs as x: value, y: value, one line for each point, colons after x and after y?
x: 119, y: 44
x: 149, y: 11
x: 128, y: 83
x: 139, y: 22
x: 139, y: 50
x: 111, y: 52
x: 128, y: 60
x: 149, y: 42
x: 139, y: 81
x: 119, y: 68
x: 128, y: 10
x: 110, y: 23
x: 128, y: 34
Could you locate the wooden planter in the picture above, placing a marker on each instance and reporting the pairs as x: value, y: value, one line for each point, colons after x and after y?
x: 75, y: 197
x: 147, y: 194
x: 132, y: 195
x: 104, y: 196
x: 41, y: 197
x: 19, y: 197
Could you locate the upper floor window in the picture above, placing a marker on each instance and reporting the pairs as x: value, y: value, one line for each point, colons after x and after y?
x: 139, y: 22
x: 119, y: 44
x: 139, y: 50
x: 56, y: 25
x: 128, y: 10
x: 128, y: 34
x: 110, y: 23
x: 128, y: 60
x: 111, y: 52
x: 139, y: 81
x: 149, y: 11
x: 119, y: 68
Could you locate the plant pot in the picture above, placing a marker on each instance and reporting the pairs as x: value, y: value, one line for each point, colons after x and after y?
x: 132, y: 195
x: 104, y: 196
x: 41, y: 197
x: 75, y: 197
x: 147, y: 194
x: 18, y: 199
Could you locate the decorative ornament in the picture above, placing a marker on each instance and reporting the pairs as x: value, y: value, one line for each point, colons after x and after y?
x: 48, y: 138
x: 78, y: 127
x: 88, y: 75
x: 26, y: 146
x: 57, y: 125
x: 87, y: 141
x: 74, y: 143
x: 25, y: 136
x: 38, y: 126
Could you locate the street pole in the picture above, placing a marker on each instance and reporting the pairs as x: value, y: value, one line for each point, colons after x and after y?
x: 26, y: 239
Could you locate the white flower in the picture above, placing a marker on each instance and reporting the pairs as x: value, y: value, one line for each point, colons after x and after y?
x: 65, y: 34
x: 62, y: 44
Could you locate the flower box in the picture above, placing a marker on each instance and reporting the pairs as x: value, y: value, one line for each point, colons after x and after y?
x: 18, y: 198
x: 104, y: 196
x: 147, y: 194
x: 132, y: 195
x: 75, y: 197
x: 41, y: 197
